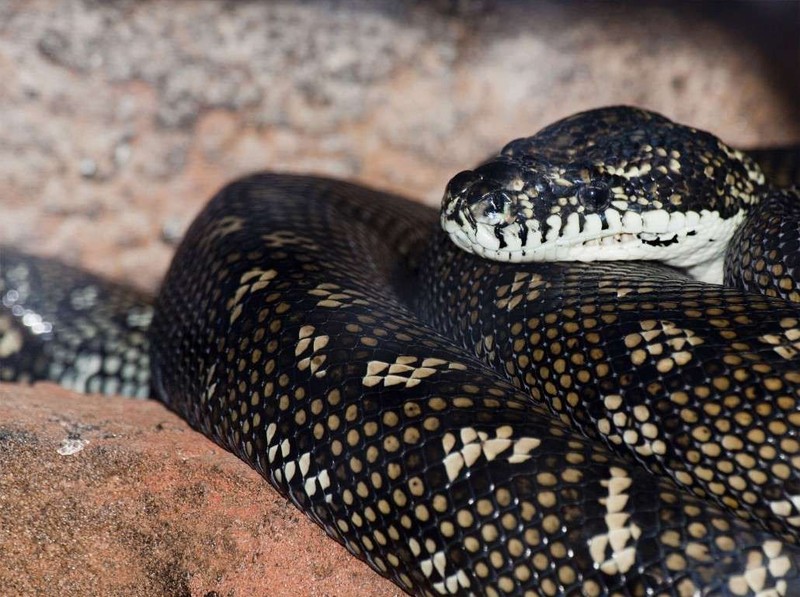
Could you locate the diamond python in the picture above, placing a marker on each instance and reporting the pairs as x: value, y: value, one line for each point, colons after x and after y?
x: 462, y: 425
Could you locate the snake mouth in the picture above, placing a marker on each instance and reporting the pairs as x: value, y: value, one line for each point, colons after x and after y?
x: 607, y: 240
x: 652, y: 239
x: 678, y: 239
x: 514, y: 231
x: 608, y: 246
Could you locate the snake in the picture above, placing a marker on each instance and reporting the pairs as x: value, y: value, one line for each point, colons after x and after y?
x: 478, y: 422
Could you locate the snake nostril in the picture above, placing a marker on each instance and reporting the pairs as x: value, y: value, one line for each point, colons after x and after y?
x: 595, y: 196
x: 496, y: 202
x: 493, y: 207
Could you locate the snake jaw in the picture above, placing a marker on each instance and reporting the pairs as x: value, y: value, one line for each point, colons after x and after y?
x: 688, y: 240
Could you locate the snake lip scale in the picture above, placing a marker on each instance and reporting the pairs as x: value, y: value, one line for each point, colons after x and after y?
x: 471, y: 426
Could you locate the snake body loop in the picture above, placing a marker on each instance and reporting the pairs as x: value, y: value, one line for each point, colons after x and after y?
x: 465, y: 427
x: 436, y: 470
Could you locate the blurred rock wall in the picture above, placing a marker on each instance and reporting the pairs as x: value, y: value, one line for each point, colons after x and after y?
x: 119, y: 119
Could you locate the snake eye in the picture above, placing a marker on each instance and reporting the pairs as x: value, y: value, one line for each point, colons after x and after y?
x: 595, y: 196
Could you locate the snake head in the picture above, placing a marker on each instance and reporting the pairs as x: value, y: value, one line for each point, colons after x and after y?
x: 608, y: 184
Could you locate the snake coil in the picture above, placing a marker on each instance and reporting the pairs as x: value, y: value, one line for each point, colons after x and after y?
x: 464, y: 426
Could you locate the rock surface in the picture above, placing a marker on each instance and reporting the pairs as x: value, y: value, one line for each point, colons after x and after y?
x: 108, y: 496
x: 120, y: 119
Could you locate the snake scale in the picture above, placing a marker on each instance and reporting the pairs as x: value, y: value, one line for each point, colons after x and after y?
x: 464, y: 426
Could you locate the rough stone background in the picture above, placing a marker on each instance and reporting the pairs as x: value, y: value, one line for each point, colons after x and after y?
x: 119, y: 119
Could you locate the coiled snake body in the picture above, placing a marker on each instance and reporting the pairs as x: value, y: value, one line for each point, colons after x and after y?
x: 466, y: 427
